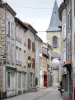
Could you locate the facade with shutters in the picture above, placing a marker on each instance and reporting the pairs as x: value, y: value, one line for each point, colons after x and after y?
x: 30, y: 55
x: 38, y: 60
x: 21, y: 60
x: 73, y: 45
x: 17, y: 54
x: 67, y: 6
x: 7, y: 56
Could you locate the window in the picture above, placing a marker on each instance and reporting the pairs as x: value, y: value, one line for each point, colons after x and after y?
x: 19, y: 80
x: 17, y: 53
x: 36, y: 81
x: 20, y: 55
x: 17, y: 31
x: 12, y: 31
x: 13, y: 52
x: 8, y: 52
x: 8, y: 79
x: 33, y: 46
x: 64, y: 31
x: 24, y: 79
x: 29, y: 58
x: 55, y: 42
x: 8, y: 34
x: 29, y: 44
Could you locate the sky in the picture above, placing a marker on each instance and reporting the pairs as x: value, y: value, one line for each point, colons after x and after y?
x: 35, y: 12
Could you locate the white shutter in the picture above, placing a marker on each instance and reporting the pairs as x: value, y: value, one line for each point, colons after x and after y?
x: 13, y: 53
x: 17, y: 53
x: 65, y: 55
x: 64, y: 31
x: 12, y: 30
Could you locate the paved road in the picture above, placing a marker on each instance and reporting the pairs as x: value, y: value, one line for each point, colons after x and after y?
x: 45, y: 94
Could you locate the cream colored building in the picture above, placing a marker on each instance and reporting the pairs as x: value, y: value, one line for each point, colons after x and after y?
x: 21, y: 49
x: 30, y: 55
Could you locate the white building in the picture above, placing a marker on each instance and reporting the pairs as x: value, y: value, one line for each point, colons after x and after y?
x: 21, y: 58
x: 7, y: 50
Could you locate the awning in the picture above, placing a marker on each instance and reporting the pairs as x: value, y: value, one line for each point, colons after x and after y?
x: 68, y: 64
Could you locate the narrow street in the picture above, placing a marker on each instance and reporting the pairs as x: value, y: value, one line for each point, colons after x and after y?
x: 45, y: 94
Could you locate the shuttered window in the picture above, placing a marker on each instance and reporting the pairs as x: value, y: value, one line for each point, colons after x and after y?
x: 29, y: 44
x: 33, y: 46
x: 8, y: 34
x: 55, y: 42
x: 12, y: 31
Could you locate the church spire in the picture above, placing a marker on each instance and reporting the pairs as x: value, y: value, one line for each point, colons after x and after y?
x: 55, y: 22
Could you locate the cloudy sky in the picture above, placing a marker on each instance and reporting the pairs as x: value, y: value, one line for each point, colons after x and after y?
x: 35, y: 12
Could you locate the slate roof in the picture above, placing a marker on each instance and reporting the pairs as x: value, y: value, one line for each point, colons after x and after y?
x: 55, y: 22
x: 55, y: 55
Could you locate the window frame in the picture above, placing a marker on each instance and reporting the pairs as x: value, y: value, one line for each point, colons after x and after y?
x: 55, y: 42
x: 29, y: 44
x: 8, y: 83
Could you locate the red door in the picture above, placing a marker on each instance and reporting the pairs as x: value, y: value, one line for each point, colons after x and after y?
x: 45, y: 80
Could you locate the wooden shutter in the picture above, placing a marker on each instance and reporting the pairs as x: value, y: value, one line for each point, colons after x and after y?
x: 29, y: 44
x: 33, y: 46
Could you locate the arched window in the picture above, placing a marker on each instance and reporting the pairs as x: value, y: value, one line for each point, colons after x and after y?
x: 55, y: 41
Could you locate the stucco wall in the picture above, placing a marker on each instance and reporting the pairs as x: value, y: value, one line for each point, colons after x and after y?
x: 49, y: 39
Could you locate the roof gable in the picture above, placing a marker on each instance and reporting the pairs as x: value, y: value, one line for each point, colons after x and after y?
x: 54, y: 22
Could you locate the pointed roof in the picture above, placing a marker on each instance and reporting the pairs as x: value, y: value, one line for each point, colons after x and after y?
x: 55, y: 22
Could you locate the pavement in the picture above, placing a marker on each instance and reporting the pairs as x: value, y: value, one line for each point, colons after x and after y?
x: 51, y: 93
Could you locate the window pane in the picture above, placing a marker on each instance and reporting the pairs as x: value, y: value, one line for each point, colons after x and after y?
x: 8, y: 79
x: 8, y: 29
x: 55, y: 42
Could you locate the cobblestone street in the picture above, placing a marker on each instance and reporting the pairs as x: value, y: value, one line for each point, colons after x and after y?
x: 45, y: 94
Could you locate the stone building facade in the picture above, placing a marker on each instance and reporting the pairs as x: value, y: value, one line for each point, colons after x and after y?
x: 7, y: 57
x: 38, y: 54
x: 67, y: 6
